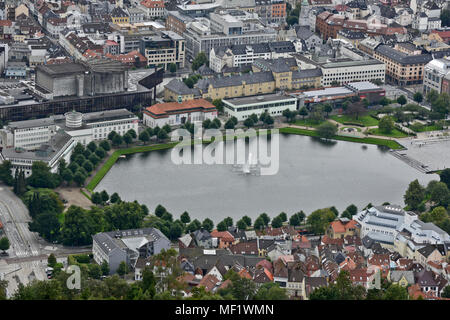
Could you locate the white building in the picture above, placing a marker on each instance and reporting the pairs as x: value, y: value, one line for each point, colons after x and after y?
x: 59, y: 147
x: 350, y: 71
x: 274, y: 104
x: 393, y: 226
x: 434, y: 72
x: 241, y: 54
x: 178, y: 113
x: 84, y: 128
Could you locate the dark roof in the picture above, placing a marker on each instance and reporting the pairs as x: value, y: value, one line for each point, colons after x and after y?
x: 401, y: 57
x: 276, y: 65
x: 303, y: 32
x: 202, y: 235
x: 118, y: 12
x: 307, y: 73
x: 236, y: 80
x: 179, y: 87
x: 63, y: 68
x: 425, y: 278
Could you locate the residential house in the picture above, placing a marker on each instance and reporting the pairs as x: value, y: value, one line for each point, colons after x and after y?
x: 210, y: 282
x: 427, y: 283
x: 225, y: 239
x: 341, y: 228
x: 401, y: 277
x: 203, y: 238
x: 311, y: 284
x: 294, y: 285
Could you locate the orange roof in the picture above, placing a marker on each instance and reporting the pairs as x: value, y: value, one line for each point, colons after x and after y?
x: 435, y: 264
x: 224, y: 235
x: 5, y: 23
x: 161, y: 110
x: 209, y: 282
x: 340, y: 227
x: 152, y: 4
x: 245, y: 274
x: 268, y: 274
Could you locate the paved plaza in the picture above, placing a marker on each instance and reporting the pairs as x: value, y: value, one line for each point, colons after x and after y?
x: 432, y: 152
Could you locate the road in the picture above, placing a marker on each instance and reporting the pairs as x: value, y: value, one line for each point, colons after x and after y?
x: 15, y: 218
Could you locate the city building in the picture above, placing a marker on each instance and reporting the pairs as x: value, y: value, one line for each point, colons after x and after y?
x: 350, y: 71
x: 239, y: 55
x: 83, y: 128
x: 434, y: 73
x: 178, y: 113
x: 401, y: 68
x: 163, y: 50
x: 274, y: 104
x: 59, y: 146
x: 127, y: 246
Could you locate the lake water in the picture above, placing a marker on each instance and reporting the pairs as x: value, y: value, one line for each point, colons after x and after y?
x: 312, y: 174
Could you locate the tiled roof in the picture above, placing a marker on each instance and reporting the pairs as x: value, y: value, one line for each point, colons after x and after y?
x: 164, y: 109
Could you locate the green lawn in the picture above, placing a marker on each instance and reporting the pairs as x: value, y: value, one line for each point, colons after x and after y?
x: 366, y: 121
x: 394, y: 134
x: 381, y: 142
x: 308, y: 123
x: 428, y: 128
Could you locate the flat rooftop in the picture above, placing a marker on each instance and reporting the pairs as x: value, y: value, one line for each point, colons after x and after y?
x: 257, y: 99
x: 362, y: 86
x: 353, y: 63
x: 337, y: 91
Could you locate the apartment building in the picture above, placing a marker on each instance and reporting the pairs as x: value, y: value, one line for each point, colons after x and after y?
x: 434, y: 73
x: 350, y: 71
x: 164, y: 49
x: 401, y: 68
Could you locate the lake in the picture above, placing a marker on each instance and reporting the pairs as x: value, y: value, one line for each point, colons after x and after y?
x: 312, y: 174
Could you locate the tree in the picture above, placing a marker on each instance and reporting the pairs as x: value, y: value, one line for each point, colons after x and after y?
x: 418, y: 97
x: 117, y: 140
x: 294, y: 220
x: 79, y: 178
x: 356, y: 109
x: 319, y: 220
x: 94, y: 159
x: 221, y: 226
x: 127, y: 138
x: 446, y: 292
x: 265, y: 218
x: 402, y: 100
x: 439, y: 193
x: 248, y: 122
x: 122, y: 269
x: 162, y: 135
x: 96, y: 198
x: 4, y: 244
x: 352, y: 209
x: 277, y: 222
x: 193, y: 226
x: 271, y: 291
x: 132, y: 133
x: 160, y: 210
x: 327, y: 130
x: 104, y: 195
x: 218, y: 104
x: 199, y: 60
x: 346, y: 214
x: 432, y: 96
x: 92, y: 146
x: 41, y: 177
x: 268, y: 120
x: 445, y: 176
x: 144, y: 137
x: 229, y: 124
x: 414, y: 195
x: 115, y: 198
x: 47, y: 225
x: 5, y: 172
x: 247, y: 220
x: 105, y: 145
x: 396, y: 292
x: 303, y: 112
x: 172, y: 68
x: 175, y: 231
x: 291, y: 20
x: 100, y: 152
x: 185, y: 218
x: 243, y: 289
x: 386, y: 124
x: 241, y: 224
x: 111, y: 136
x: 105, y: 268
x: 259, y: 223
x: 88, y: 166
x: 51, y: 260
x: 208, y: 224
x: 327, y: 108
